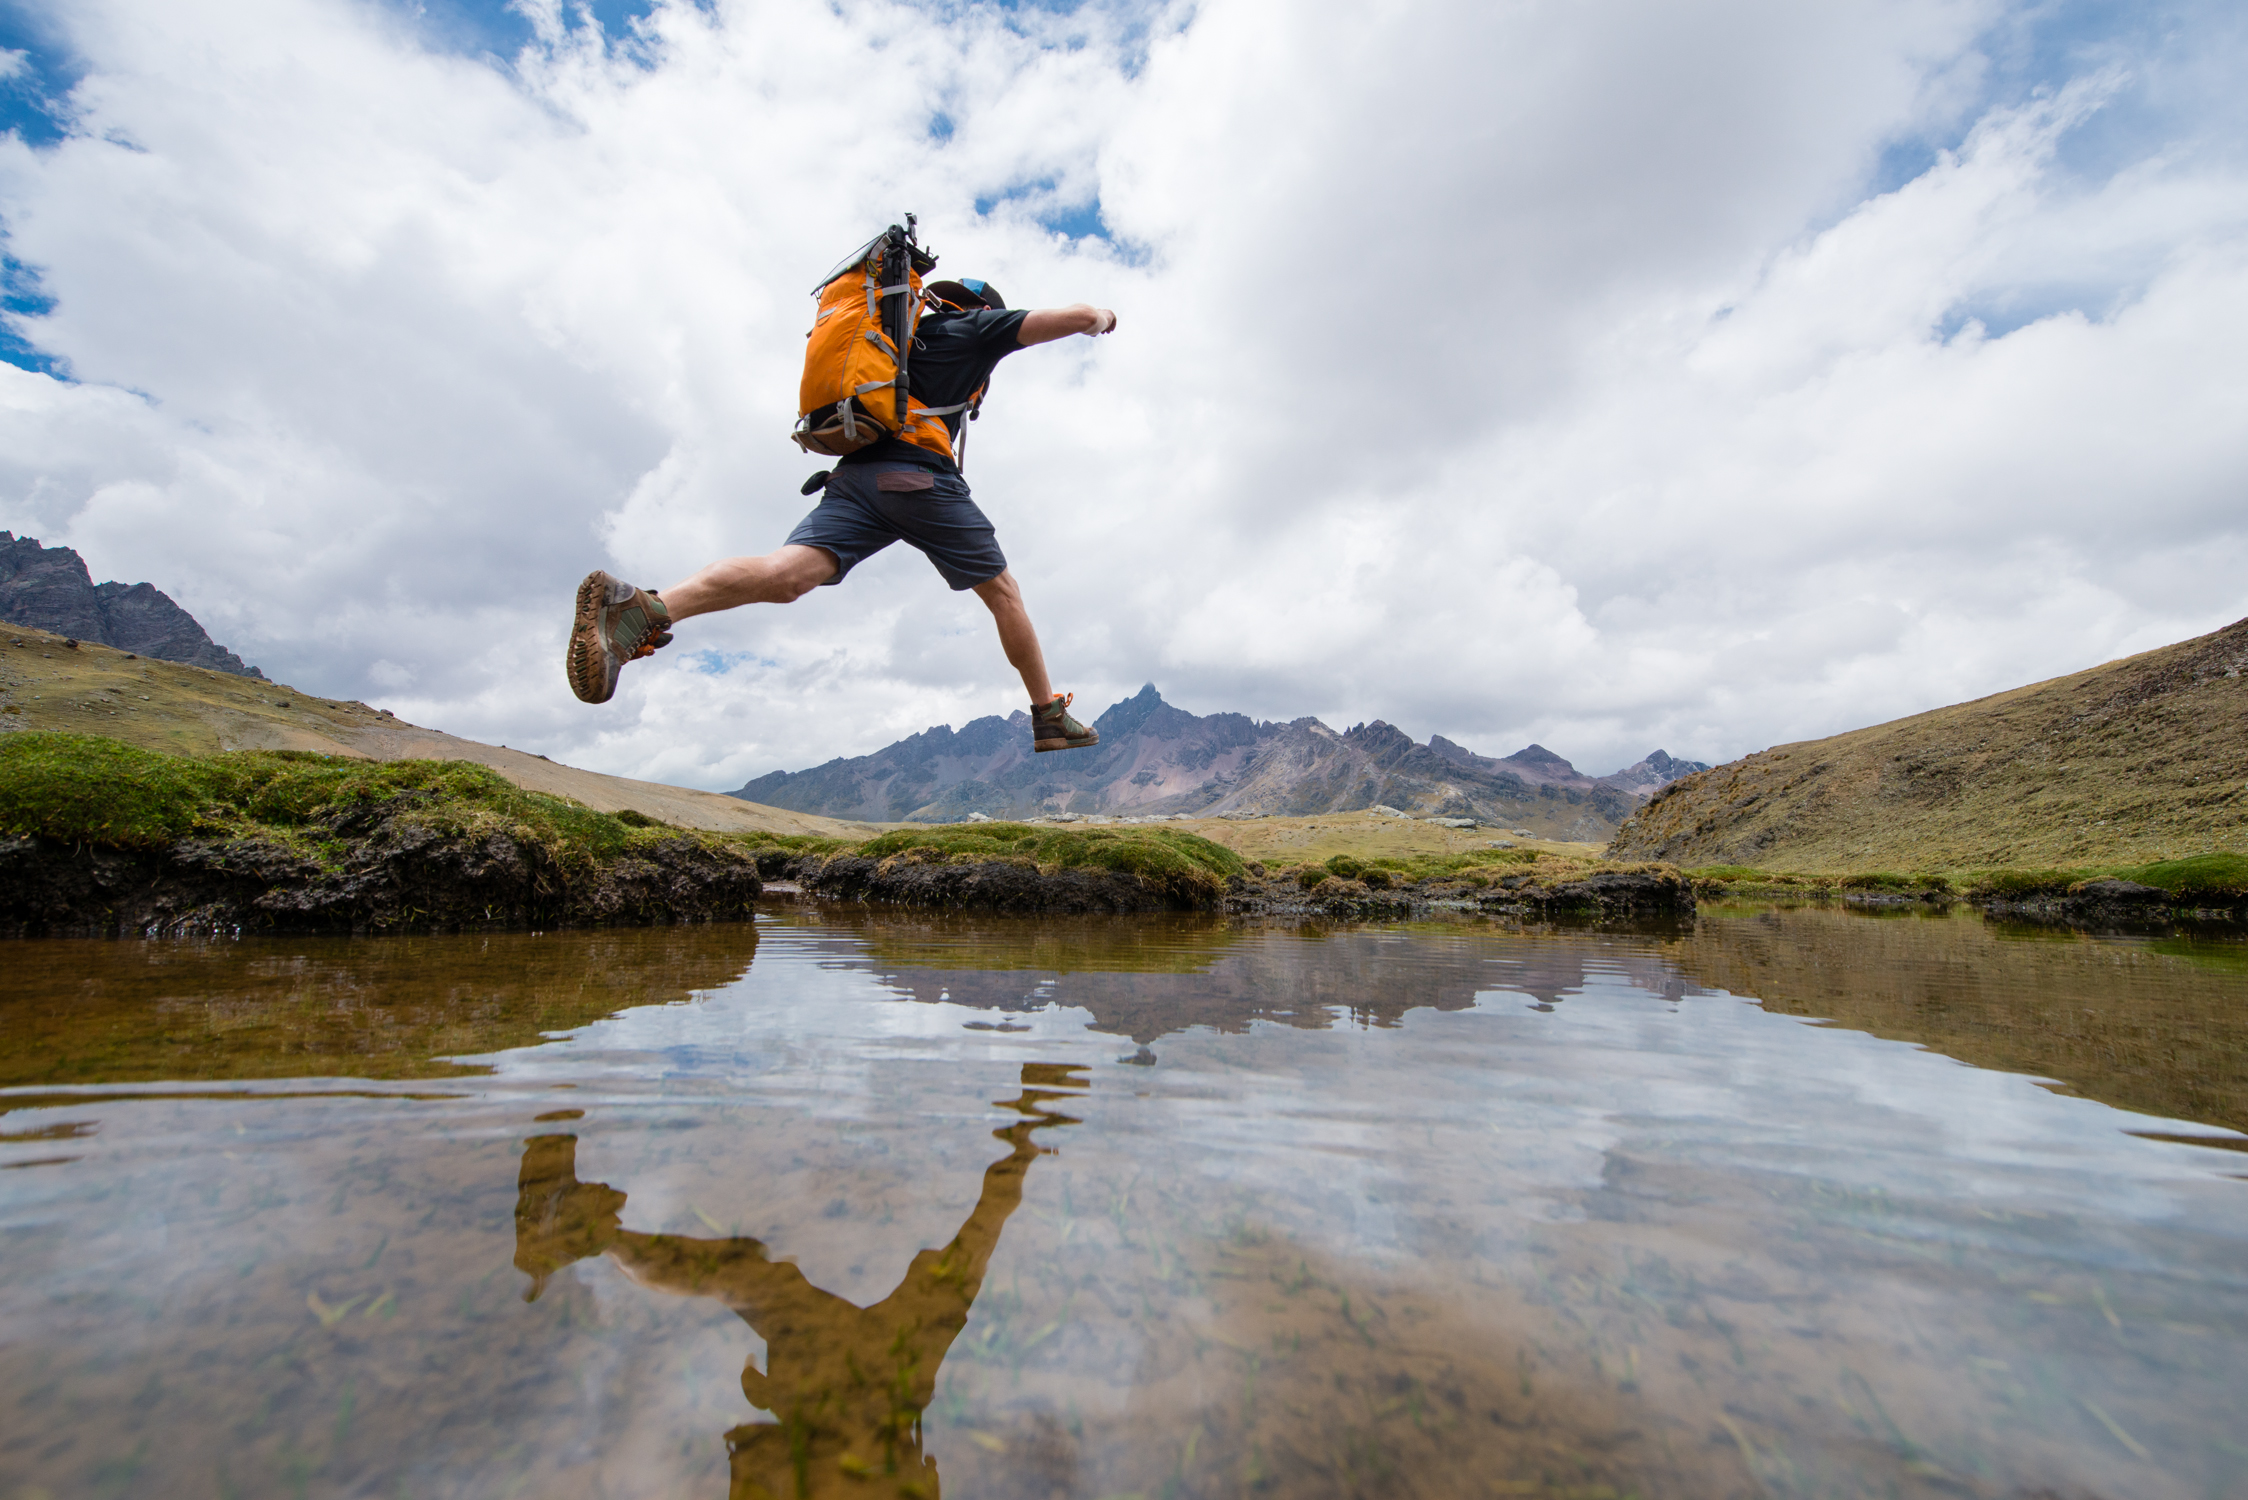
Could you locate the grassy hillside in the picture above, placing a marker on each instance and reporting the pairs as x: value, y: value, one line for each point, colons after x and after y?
x: 2135, y: 762
x: 46, y: 683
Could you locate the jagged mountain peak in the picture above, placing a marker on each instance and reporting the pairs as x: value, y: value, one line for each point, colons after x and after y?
x: 1540, y: 757
x: 1459, y: 754
x: 49, y: 588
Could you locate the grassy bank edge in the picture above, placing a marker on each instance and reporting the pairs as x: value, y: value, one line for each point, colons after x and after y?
x: 2217, y: 878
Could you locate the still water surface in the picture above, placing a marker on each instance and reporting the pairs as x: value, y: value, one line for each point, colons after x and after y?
x: 1781, y: 1203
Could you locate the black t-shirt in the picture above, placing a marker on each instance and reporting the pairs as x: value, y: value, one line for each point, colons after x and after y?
x: 953, y: 354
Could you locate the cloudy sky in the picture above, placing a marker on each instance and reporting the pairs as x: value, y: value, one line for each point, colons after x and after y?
x: 1613, y: 375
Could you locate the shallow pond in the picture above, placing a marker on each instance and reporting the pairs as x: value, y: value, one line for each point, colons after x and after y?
x: 1776, y: 1203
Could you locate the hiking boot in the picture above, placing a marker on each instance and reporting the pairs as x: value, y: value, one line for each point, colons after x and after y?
x: 1051, y: 727
x: 616, y: 623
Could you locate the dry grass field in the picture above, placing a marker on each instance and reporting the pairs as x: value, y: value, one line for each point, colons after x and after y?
x: 1279, y: 843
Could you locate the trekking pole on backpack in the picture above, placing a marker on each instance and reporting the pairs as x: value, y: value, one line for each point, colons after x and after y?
x: 898, y: 309
x: 860, y: 345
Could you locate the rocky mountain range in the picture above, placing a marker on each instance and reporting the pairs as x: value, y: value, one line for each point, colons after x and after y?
x: 1156, y: 759
x: 48, y: 588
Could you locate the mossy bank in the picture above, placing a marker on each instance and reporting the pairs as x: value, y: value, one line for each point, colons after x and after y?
x: 99, y: 838
x: 102, y: 838
x: 1033, y: 868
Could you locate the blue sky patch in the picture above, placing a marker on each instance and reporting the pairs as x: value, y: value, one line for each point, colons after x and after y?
x: 1084, y: 222
x: 1076, y: 220
x: 476, y: 28
x: 34, y: 98
x: 2160, y: 48
x: 718, y: 663
x: 2002, y: 310
x: 21, y: 296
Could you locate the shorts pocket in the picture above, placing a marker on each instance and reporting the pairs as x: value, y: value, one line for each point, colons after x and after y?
x: 903, y: 481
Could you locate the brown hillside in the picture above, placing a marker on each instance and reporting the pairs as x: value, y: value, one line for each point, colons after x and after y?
x: 2138, y: 760
x: 47, y: 683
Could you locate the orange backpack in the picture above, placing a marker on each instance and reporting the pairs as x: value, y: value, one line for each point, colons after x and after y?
x: 855, y: 389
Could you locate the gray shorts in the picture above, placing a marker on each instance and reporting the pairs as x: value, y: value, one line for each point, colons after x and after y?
x: 866, y: 507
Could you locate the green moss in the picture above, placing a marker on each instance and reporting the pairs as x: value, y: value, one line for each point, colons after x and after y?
x: 2020, y: 885
x: 85, y: 789
x: 990, y: 840
x: 1729, y: 873
x: 2221, y: 878
x: 2218, y: 875
x: 1166, y: 857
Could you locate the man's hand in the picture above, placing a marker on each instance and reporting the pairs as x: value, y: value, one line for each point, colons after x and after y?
x: 1046, y: 324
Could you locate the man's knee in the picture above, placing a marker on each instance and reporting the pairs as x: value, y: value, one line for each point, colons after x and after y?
x: 1000, y: 591
x: 798, y: 569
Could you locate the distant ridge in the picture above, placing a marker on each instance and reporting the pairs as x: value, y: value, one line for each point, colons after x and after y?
x: 48, y: 588
x: 1155, y: 758
x: 2139, y: 760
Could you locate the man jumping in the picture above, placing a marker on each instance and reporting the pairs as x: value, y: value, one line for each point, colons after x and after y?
x: 891, y: 490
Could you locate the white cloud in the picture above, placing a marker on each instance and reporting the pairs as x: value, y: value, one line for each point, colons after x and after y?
x: 1504, y: 372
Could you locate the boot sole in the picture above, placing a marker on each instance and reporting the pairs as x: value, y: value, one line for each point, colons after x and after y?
x: 1042, y: 746
x: 587, y: 661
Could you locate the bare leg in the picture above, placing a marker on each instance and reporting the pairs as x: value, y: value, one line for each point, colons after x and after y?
x: 780, y: 577
x: 1016, y: 637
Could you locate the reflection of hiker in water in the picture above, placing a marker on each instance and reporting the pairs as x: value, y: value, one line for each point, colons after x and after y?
x: 848, y: 1384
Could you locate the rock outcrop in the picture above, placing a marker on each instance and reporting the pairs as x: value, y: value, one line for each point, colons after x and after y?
x: 48, y: 588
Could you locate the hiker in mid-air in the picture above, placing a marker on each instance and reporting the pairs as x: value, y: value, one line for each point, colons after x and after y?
x: 891, y: 370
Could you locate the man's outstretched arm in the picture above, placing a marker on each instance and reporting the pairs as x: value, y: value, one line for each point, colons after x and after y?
x: 1046, y: 324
